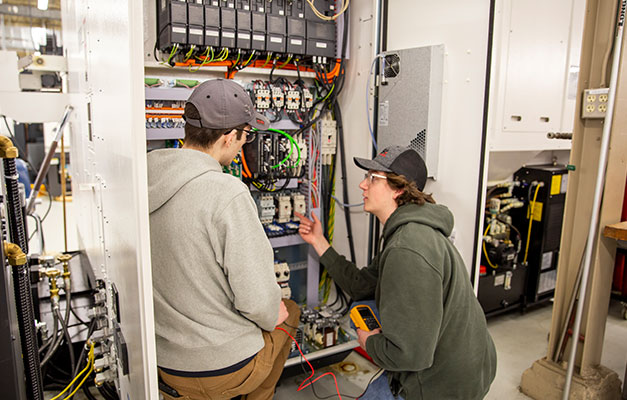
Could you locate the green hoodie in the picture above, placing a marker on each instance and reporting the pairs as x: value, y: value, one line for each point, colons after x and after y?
x: 434, y: 338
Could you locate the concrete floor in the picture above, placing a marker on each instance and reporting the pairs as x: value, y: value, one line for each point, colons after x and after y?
x: 519, y: 339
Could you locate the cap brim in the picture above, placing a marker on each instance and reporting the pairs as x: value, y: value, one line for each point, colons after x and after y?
x: 366, y: 164
x: 259, y: 122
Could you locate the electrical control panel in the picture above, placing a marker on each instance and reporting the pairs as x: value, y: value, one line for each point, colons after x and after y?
x: 281, y: 26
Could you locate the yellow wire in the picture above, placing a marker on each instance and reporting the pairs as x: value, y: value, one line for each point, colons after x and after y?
x: 226, y: 55
x: 289, y: 58
x: 204, y: 62
x: 172, y: 52
x: 533, y: 205
x: 86, y: 375
x: 324, y: 17
x: 221, y: 55
x: 267, y: 60
x: 87, y: 367
x: 485, y: 251
x: 189, y: 53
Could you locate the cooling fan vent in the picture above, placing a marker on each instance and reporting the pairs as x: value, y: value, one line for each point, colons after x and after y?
x: 392, y: 65
x: 419, y: 143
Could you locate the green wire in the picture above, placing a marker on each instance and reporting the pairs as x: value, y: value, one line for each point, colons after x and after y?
x: 172, y: 52
x: 249, y: 58
x: 267, y: 60
x: 292, y: 141
x: 329, y: 94
x: 286, y: 62
x: 204, y: 61
x: 189, y: 53
x: 221, y: 54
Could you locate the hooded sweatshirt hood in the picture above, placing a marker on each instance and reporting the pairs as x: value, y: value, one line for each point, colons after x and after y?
x: 436, y: 216
x: 164, y: 185
x: 214, y: 287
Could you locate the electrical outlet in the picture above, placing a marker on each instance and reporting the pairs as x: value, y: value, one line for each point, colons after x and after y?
x: 594, y: 103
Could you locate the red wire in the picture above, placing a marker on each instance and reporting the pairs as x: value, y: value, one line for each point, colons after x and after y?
x: 303, y: 385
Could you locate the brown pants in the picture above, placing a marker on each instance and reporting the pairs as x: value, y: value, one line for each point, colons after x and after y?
x: 255, y: 381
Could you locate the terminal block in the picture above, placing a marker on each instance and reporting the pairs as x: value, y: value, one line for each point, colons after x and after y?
x: 283, y: 208
x: 302, y: 146
x: 307, y: 100
x: 262, y: 99
x: 328, y: 134
x: 278, y: 98
x: 298, y: 204
x: 266, y: 209
x: 292, y: 100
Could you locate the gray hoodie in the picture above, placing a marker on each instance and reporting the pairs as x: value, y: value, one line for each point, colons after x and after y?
x: 212, y: 265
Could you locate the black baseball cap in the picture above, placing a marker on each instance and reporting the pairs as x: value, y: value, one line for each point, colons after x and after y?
x: 399, y: 160
x: 224, y: 104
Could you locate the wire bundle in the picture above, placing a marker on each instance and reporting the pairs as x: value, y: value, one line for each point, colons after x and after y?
x: 87, y: 371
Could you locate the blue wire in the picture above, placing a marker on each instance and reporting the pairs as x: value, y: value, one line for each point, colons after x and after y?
x: 346, y: 205
x: 374, y: 142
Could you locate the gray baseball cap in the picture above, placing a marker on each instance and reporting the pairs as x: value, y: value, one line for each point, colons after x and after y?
x: 224, y: 104
x: 399, y: 160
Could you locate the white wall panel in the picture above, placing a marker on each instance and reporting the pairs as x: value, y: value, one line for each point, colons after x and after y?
x: 357, y: 138
x: 463, y: 29
x: 534, y: 73
x: 104, y: 44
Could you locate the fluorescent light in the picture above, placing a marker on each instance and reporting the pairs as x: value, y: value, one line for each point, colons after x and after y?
x: 42, y: 4
x: 38, y: 35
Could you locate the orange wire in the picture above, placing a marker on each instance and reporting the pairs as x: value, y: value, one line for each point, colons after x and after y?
x: 163, y: 116
x: 260, y: 64
x: 246, y: 170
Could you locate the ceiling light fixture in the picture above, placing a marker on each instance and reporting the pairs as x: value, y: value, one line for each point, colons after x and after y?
x: 42, y: 4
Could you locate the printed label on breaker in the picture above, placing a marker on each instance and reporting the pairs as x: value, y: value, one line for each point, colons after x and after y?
x: 296, y: 42
x: 195, y: 31
x: 245, y: 36
x: 230, y: 35
x: 321, y: 45
x: 276, y: 39
x: 176, y: 29
x: 213, y: 33
x: 260, y: 38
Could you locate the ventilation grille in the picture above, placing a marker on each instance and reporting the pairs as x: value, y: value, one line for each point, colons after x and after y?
x: 419, y: 143
x: 392, y: 66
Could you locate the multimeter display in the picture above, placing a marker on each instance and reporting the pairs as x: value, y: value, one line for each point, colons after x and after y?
x: 364, y: 318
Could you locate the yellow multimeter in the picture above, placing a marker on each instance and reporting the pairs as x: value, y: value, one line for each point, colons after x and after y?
x: 364, y: 318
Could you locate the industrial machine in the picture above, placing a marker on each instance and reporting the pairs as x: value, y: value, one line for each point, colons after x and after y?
x: 503, y: 275
x: 521, y: 239
x: 544, y: 187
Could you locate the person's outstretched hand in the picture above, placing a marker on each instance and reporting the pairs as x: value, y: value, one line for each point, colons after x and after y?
x: 311, y: 232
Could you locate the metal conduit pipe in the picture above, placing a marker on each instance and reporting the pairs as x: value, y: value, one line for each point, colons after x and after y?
x: 598, y: 192
x: 26, y: 318
x: 21, y: 278
x: 378, y: 39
